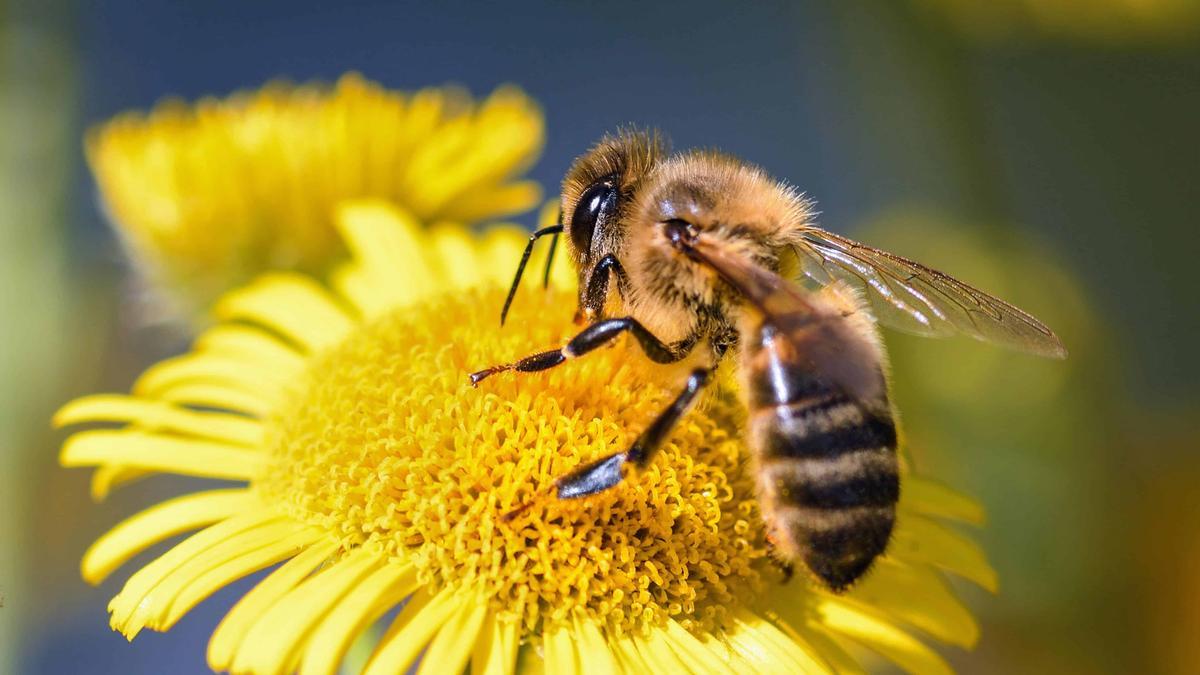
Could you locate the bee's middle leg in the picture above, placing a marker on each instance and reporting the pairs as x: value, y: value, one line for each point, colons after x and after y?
x: 606, y: 472
x: 595, y: 335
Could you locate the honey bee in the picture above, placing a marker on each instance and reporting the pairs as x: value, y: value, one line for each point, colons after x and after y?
x: 698, y: 255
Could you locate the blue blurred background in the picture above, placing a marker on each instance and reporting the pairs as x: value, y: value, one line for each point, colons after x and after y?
x: 1046, y: 150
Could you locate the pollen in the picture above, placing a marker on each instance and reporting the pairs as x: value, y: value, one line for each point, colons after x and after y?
x: 386, y: 444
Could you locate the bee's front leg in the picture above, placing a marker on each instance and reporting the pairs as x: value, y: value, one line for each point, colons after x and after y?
x: 590, y: 338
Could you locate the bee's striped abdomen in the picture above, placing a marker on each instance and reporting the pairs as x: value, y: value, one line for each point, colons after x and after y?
x: 828, y: 474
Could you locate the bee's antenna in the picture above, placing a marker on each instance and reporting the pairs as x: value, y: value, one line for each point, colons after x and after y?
x: 553, y: 229
x: 550, y: 258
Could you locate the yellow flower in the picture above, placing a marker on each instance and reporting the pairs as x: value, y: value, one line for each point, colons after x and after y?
x: 207, y: 196
x: 375, y: 473
x: 1115, y: 22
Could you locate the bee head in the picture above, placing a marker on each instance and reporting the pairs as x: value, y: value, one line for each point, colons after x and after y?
x: 596, y: 197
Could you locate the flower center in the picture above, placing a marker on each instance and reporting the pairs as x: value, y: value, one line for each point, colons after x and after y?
x: 387, y: 445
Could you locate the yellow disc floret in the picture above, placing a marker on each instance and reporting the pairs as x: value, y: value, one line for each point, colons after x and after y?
x: 386, y: 444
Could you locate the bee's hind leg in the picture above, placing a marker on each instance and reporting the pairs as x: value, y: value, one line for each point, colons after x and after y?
x: 606, y: 472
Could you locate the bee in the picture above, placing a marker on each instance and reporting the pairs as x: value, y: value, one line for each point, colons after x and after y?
x: 700, y: 255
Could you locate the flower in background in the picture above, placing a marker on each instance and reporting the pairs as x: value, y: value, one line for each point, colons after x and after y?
x: 207, y: 196
x: 1118, y: 22
x: 371, y: 469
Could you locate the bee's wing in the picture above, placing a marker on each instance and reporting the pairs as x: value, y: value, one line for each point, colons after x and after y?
x: 828, y: 343
x: 913, y: 298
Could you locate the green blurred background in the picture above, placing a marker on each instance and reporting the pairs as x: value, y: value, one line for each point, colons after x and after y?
x: 1045, y: 150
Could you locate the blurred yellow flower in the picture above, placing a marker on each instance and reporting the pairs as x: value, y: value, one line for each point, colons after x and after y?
x: 376, y: 474
x: 1118, y: 22
x: 208, y: 195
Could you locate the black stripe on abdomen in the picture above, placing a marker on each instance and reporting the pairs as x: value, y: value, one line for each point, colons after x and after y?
x: 827, y: 428
x: 830, y: 479
x: 866, y: 477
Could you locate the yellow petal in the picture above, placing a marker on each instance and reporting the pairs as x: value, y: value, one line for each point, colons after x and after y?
x: 387, y: 243
x: 157, y: 523
x: 449, y: 652
x: 365, y: 294
x: 593, y: 648
x: 107, y: 478
x: 155, y: 603
x: 931, y: 498
x: 699, y: 657
x: 503, y: 246
x: 918, y: 595
x: 144, y: 580
x: 628, y: 656
x: 279, y: 634
x: 559, y: 651
x: 761, y: 644
x: 495, y: 651
x: 248, y: 343
x: 230, y: 634
x: 294, y: 305
x: 658, y: 653
x: 880, y: 635
x: 156, y: 452
x: 454, y: 249
x: 412, y: 629
x: 813, y: 637
x: 257, y: 379
x: 219, y: 576
x: 922, y: 540
x: 153, y: 414
x: 378, y: 593
x: 511, y: 198
x: 220, y: 397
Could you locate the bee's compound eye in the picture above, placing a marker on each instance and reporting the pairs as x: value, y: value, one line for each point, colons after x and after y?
x: 596, y: 205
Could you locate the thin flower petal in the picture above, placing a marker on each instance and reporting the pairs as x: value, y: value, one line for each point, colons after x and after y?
x: 379, y: 592
x: 266, y: 381
x: 447, y: 652
x: 387, y: 245
x: 146, y: 579
x: 250, y: 560
x: 157, y: 523
x: 880, y: 635
x: 217, y: 396
x: 502, y: 247
x: 931, y: 498
x: 249, y: 344
x: 157, y: 452
x: 812, y: 637
x: 230, y: 635
x: 761, y: 644
x: 109, y: 477
x: 496, y: 651
x: 275, y: 639
x: 592, y: 646
x: 922, y: 540
x: 412, y: 629
x: 657, y: 652
x: 512, y: 198
x: 699, y: 657
x: 292, y: 304
x: 628, y: 656
x: 152, y: 414
x: 455, y: 252
x: 155, y: 604
x: 917, y: 594
x: 560, y: 651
